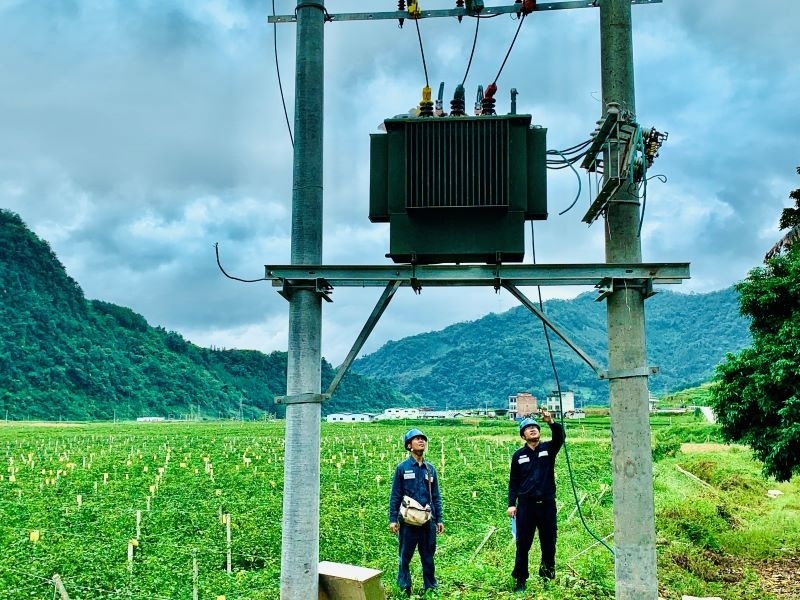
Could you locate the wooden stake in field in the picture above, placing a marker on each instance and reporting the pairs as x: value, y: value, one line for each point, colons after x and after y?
x: 228, y: 540
x: 59, y: 585
x: 194, y: 573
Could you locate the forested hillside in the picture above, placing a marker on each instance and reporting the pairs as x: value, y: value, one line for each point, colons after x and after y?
x: 470, y: 364
x: 65, y: 357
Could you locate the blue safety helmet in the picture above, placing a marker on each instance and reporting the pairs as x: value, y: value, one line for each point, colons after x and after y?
x: 411, y: 434
x: 527, y: 423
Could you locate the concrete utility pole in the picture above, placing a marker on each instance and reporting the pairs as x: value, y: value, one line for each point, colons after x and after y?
x: 634, y: 520
x: 300, y: 537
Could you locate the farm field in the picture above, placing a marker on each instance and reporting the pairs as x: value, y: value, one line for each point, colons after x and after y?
x: 141, y: 510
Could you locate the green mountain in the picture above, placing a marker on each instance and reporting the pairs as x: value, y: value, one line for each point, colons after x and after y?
x: 65, y: 357
x: 484, y: 361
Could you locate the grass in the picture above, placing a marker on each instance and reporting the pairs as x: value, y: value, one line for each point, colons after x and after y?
x: 711, y: 528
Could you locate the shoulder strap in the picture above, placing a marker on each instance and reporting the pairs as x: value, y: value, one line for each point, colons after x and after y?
x: 430, y: 476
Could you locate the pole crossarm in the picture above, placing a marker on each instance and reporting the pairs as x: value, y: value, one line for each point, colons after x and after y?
x: 487, y: 11
x: 417, y: 276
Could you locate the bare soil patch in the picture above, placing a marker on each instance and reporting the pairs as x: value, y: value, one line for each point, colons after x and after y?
x: 780, y: 577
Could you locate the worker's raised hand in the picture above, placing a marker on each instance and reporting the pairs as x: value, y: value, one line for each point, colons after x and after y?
x: 547, y: 417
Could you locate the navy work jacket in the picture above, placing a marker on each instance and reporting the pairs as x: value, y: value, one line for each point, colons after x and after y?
x: 533, y: 471
x: 411, y: 479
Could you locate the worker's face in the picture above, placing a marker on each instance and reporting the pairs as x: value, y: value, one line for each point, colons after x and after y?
x: 531, y: 433
x: 418, y: 444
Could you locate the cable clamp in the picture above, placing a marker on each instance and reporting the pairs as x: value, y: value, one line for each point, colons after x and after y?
x: 313, y: 4
x: 309, y: 398
x: 628, y: 373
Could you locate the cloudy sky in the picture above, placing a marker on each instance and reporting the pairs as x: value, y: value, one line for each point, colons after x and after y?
x: 134, y: 135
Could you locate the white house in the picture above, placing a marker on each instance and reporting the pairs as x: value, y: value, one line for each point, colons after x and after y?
x: 348, y: 418
x: 567, y: 403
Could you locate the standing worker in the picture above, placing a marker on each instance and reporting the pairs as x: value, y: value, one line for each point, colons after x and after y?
x: 532, y: 496
x: 416, y: 479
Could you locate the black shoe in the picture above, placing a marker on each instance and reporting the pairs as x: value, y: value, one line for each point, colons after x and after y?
x: 407, y: 591
x: 520, y: 586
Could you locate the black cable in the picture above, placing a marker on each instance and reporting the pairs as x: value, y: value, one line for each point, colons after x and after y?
x: 278, y: 71
x: 577, y: 147
x: 472, y: 52
x: 422, y: 52
x: 219, y: 264
x: 521, y: 21
x: 561, y: 408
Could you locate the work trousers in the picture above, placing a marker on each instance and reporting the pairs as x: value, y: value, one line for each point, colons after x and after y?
x: 533, y: 515
x: 422, y: 538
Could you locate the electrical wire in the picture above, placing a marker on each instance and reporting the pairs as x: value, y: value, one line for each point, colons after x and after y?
x: 561, y: 408
x: 422, y: 52
x: 278, y: 71
x: 219, y: 264
x: 521, y: 21
x: 578, y: 195
x: 472, y: 52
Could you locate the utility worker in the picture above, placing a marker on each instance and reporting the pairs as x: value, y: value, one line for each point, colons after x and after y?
x: 532, y: 497
x: 417, y: 479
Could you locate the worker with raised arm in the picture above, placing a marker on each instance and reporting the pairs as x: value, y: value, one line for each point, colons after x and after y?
x: 532, y: 496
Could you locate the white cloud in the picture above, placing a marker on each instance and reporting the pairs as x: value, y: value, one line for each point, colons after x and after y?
x: 138, y: 134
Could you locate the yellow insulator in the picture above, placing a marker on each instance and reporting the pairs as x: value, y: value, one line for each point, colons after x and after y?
x: 414, y: 10
x: 426, y: 94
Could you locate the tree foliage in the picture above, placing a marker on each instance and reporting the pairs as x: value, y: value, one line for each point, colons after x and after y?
x: 757, y: 391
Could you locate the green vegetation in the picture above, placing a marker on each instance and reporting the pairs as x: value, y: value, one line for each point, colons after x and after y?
x: 485, y: 361
x: 63, y: 357
x: 756, y: 393
x: 695, y: 396
x: 714, y: 522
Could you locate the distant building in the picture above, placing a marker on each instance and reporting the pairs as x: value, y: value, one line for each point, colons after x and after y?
x: 399, y: 413
x: 349, y: 418
x: 443, y: 414
x: 149, y: 419
x: 567, y: 403
x: 522, y: 405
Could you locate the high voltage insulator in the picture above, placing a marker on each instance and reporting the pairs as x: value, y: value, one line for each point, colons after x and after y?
x: 426, y: 104
x: 488, y: 103
x: 458, y: 103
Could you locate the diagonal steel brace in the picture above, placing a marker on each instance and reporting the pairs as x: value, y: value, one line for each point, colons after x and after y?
x: 601, y: 373
x: 377, y: 312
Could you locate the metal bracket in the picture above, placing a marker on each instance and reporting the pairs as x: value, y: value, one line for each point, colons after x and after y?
x: 607, y: 286
x: 309, y: 398
x: 628, y: 373
x: 317, y: 285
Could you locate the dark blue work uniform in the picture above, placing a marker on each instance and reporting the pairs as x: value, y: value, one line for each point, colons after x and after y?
x: 411, y: 479
x: 532, y: 489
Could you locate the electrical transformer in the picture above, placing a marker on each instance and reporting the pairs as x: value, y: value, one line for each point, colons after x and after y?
x: 458, y: 189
